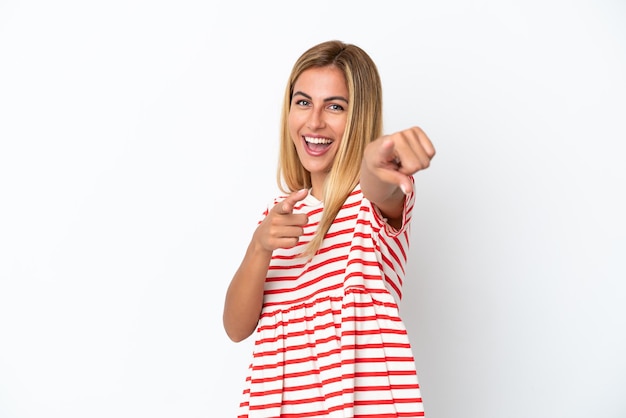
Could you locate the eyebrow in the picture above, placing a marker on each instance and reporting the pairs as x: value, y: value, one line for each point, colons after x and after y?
x: 328, y: 99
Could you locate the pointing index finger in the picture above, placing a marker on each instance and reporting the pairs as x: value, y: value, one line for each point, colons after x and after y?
x: 388, y: 151
x: 290, y: 201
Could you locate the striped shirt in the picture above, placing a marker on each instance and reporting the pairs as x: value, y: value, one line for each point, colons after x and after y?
x: 330, y: 341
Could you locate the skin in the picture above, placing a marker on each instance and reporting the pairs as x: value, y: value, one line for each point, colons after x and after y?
x: 319, y: 110
x: 388, y: 163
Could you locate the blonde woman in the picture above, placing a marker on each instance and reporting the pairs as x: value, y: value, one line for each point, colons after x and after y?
x: 320, y: 282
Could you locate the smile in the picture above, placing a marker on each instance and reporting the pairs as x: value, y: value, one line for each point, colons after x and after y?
x: 317, y: 146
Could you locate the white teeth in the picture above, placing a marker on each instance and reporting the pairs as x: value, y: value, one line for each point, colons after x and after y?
x: 318, y: 140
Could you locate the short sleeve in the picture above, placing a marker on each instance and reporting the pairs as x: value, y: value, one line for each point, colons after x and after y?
x: 407, y: 211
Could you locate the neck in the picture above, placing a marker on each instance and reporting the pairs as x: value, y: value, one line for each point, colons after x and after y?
x: 317, y: 186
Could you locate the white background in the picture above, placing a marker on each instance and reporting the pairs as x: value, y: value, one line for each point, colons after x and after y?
x: 138, y: 148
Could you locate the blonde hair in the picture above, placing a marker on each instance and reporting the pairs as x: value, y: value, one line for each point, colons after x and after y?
x: 364, y: 124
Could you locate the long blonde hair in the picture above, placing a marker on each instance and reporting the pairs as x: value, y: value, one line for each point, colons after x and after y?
x: 364, y: 124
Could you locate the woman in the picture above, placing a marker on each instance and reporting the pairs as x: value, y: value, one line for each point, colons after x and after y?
x: 321, y: 279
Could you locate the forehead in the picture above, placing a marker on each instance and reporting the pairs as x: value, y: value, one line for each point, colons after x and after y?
x: 322, y: 81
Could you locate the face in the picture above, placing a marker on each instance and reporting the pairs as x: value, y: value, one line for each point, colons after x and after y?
x: 317, y: 119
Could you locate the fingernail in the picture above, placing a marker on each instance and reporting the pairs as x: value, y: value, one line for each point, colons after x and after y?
x: 403, y: 188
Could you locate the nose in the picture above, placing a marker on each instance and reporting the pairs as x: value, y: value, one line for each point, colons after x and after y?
x: 316, y: 119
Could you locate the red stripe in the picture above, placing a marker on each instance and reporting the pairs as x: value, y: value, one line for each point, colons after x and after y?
x: 368, y: 318
x: 393, y: 251
x: 292, y: 334
x: 306, y: 297
x: 303, y: 285
x: 334, y: 247
x: 366, y: 304
x: 348, y: 231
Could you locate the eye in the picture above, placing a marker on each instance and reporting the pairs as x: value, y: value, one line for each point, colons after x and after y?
x: 336, y: 107
x: 301, y: 102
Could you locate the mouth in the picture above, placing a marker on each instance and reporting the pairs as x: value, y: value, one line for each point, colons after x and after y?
x: 317, y: 145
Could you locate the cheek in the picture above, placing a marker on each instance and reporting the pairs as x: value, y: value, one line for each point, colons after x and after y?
x: 293, y: 134
x: 340, y: 127
x: 293, y: 123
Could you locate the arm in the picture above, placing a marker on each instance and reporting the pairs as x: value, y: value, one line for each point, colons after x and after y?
x: 387, y: 164
x: 281, y: 228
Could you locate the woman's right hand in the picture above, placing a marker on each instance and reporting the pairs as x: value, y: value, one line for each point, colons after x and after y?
x: 282, y: 228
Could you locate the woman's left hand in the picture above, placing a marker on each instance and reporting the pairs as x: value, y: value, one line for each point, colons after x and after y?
x: 393, y: 158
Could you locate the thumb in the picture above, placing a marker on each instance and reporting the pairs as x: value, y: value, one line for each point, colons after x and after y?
x: 290, y: 201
